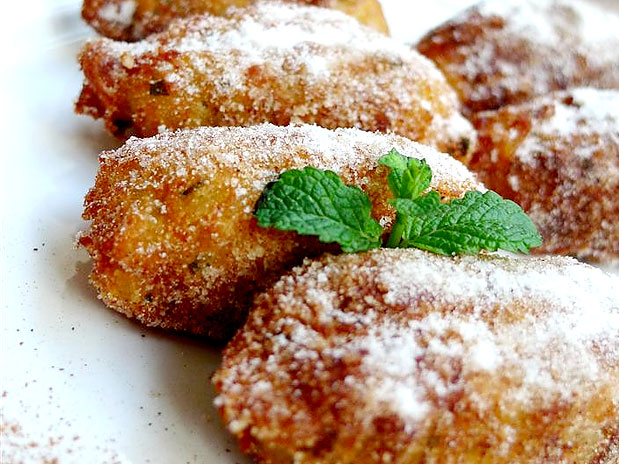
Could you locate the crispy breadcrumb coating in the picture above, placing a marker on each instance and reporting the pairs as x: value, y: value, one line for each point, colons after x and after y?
x: 558, y: 157
x: 403, y: 356
x: 502, y: 52
x: 271, y: 62
x: 173, y: 239
x: 131, y: 20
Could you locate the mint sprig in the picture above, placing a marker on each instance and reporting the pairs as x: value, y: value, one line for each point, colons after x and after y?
x: 315, y: 202
x: 409, y: 177
x: 478, y: 221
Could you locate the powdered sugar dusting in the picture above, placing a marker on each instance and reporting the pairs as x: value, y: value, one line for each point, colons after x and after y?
x: 173, y: 214
x: 269, y: 32
x: 588, y: 312
x: 186, y: 152
x: 121, y: 13
x: 594, y: 25
x: 581, y: 112
x: 260, y: 33
x: 497, y: 279
x: 506, y: 51
x: 557, y: 156
x: 523, y: 18
x: 552, y: 23
x: 423, y: 331
x: 279, y: 63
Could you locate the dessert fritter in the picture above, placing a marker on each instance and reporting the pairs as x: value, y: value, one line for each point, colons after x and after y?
x: 131, y: 20
x: 172, y: 236
x: 558, y: 157
x: 403, y: 356
x: 500, y: 52
x: 271, y: 62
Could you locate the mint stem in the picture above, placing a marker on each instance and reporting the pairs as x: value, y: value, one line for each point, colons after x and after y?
x: 396, y: 233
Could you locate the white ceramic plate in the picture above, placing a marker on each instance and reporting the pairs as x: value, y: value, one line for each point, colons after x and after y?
x: 82, y: 384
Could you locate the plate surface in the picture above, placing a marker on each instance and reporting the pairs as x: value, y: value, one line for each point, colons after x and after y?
x: 82, y: 384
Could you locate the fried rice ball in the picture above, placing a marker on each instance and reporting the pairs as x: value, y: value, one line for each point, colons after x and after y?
x: 172, y: 235
x: 271, y: 62
x: 501, y: 52
x: 558, y: 157
x: 403, y: 356
x: 132, y: 20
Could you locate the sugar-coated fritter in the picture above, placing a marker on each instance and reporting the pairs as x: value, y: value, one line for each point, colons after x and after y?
x: 173, y: 239
x: 271, y: 62
x: 131, y: 20
x: 403, y: 356
x: 558, y: 157
x: 501, y: 52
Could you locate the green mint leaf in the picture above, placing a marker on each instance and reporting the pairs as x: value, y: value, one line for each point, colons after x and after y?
x: 315, y: 202
x: 468, y: 225
x: 409, y: 177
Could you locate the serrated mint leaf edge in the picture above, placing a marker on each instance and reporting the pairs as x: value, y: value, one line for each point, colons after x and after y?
x: 351, y: 238
x: 466, y: 237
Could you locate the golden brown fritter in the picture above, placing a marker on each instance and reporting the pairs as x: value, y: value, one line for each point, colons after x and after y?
x: 271, y: 62
x: 132, y: 20
x: 558, y: 157
x: 402, y: 356
x: 507, y: 51
x: 173, y: 239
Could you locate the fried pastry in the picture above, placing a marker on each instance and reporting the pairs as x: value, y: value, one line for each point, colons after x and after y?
x: 132, y: 20
x: 402, y: 356
x: 502, y: 52
x: 557, y: 156
x: 173, y: 239
x: 271, y: 62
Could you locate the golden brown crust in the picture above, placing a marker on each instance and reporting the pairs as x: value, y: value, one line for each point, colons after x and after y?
x: 558, y: 157
x: 238, y: 71
x: 173, y: 239
x: 407, y: 357
x: 507, y: 51
x: 132, y: 20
